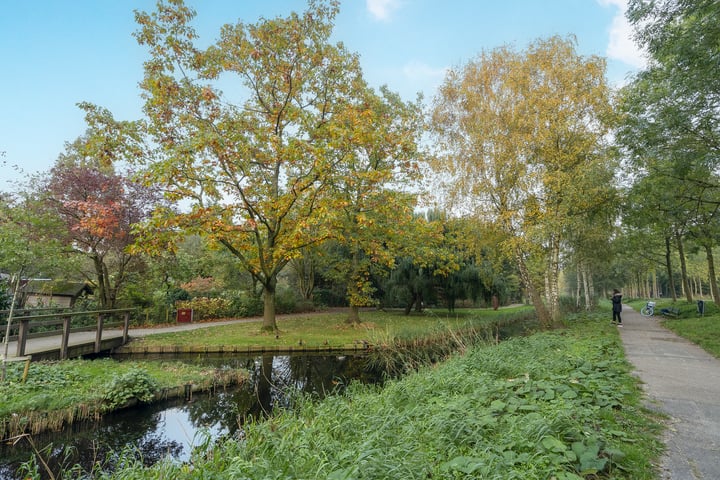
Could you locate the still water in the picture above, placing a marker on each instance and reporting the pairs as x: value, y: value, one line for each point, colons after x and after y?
x: 174, y: 427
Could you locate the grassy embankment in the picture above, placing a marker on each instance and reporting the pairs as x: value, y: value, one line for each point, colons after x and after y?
x: 58, y: 393
x: 560, y: 404
x: 702, y: 330
x: 327, y: 331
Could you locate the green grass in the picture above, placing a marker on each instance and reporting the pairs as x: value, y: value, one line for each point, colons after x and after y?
x: 330, y: 330
x: 560, y: 404
x: 58, y: 393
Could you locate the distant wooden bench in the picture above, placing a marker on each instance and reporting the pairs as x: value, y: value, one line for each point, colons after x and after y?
x: 671, y: 312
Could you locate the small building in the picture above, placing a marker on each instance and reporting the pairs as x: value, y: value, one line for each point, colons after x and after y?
x: 52, y: 293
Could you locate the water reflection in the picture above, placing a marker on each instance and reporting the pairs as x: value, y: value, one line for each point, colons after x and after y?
x: 174, y: 427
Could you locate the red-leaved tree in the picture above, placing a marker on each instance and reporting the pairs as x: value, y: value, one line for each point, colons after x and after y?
x: 98, y: 208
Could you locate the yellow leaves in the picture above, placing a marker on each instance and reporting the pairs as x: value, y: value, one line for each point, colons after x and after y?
x: 208, y: 94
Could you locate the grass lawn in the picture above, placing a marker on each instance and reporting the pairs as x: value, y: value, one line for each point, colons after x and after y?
x: 330, y: 329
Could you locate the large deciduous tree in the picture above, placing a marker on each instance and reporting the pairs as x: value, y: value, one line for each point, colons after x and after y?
x: 371, y: 216
x: 671, y: 121
x: 520, y: 138
x: 26, y: 249
x: 252, y: 163
x: 98, y: 209
x: 681, y: 37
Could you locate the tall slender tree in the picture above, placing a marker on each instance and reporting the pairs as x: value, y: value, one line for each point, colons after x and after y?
x: 520, y: 133
x: 370, y: 190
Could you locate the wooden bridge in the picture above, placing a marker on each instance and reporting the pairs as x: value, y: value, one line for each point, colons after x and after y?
x: 65, y: 334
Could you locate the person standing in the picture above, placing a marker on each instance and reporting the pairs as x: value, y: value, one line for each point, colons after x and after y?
x: 617, y: 307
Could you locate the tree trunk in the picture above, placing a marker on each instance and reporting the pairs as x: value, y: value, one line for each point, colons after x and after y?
x: 110, y: 291
x: 305, y: 270
x: 711, y: 273
x: 353, y: 289
x: 656, y: 285
x: 586, y: 287
x: 683, y: 268
x: 668, y: 265
x: 100, y: 280
x: 578, y: 282
x: 544, y: 317
x: 408, y: 307
x: 419, y: 303
x: 16, y: 279
x: 353, y: 315
x: 554, y: 274
x: 269, y: 324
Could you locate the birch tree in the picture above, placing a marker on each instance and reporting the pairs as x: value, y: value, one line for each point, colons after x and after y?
x: 520, y: 135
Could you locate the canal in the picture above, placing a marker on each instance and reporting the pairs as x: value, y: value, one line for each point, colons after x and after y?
x: 173, y: 428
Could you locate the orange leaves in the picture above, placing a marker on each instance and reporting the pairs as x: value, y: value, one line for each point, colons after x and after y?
x: 98, y: 220
x: 208, y: 94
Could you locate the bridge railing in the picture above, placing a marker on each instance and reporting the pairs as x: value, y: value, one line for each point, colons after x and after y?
x: 63, y: 323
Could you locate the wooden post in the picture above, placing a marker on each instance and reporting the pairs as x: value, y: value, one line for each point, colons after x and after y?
x: 27, y: 369
x: 23, y: 332
x: 65, y: 341
x: 126, y: 326
x: 98, y: 334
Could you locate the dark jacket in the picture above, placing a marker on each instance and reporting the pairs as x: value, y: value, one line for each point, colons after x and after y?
x: 617, y: 302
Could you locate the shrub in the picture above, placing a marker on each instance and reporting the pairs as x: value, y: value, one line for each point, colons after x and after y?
x: 177, y: 294
x: 5, y: 297
x: 243, y: 303
x: 202, y: 286
x: 329, y: 298
x: 135, y: 383
x: 204, y: 308
x: 286, y: 301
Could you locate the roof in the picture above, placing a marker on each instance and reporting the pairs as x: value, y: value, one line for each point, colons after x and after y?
x: 57, y: 288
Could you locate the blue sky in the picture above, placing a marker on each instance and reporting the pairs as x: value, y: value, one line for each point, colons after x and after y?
x: 58, y: 53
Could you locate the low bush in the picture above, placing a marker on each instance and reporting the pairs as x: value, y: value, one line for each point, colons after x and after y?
x: 243, y: 304
x: 135, y: 383
x: 570, y: 305
x: 205, y: 308
x: 287, y: 301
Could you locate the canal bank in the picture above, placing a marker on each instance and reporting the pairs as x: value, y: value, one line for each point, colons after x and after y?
x: 555, y: 404
x: 180, y: 420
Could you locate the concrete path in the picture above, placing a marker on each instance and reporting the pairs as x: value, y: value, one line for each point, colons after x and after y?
x: 682, y: 381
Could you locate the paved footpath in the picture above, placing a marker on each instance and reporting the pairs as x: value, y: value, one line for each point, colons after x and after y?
x: 682, y: 381
x: 42, y: 344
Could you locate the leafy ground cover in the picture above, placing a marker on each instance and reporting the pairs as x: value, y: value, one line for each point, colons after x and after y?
x: 58, y: 393
x: 330, y: 330
x: 553, y: 405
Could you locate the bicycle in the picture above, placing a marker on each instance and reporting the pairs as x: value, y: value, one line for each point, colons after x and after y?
x: 648, y: 310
